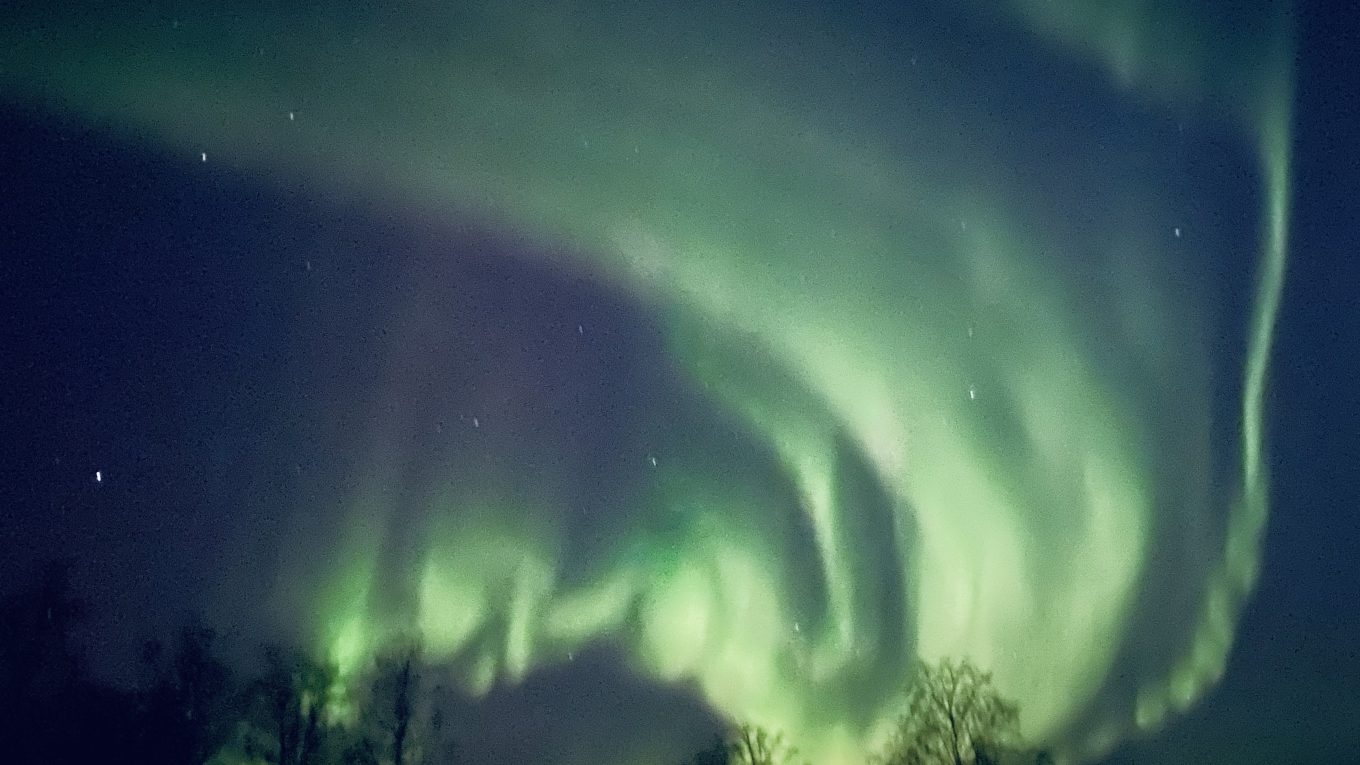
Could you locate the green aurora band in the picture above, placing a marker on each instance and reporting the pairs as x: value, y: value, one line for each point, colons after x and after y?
x: 852, y: 246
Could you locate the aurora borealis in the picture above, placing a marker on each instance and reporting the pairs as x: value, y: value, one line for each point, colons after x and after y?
x: 833, y: 337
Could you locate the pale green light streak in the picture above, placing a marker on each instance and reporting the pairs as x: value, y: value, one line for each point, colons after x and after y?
x: 1152, y: 48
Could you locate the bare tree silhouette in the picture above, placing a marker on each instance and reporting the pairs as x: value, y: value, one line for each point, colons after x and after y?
x: 753, y: 745
x: 290, y: 703
x: 954, y: 716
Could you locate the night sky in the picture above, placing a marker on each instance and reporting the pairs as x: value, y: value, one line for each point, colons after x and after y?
x: 670, y: 367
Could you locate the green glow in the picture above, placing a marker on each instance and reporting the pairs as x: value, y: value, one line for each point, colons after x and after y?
x: 871, y: 298
x: 451, y: 607
x: 346, y: 639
